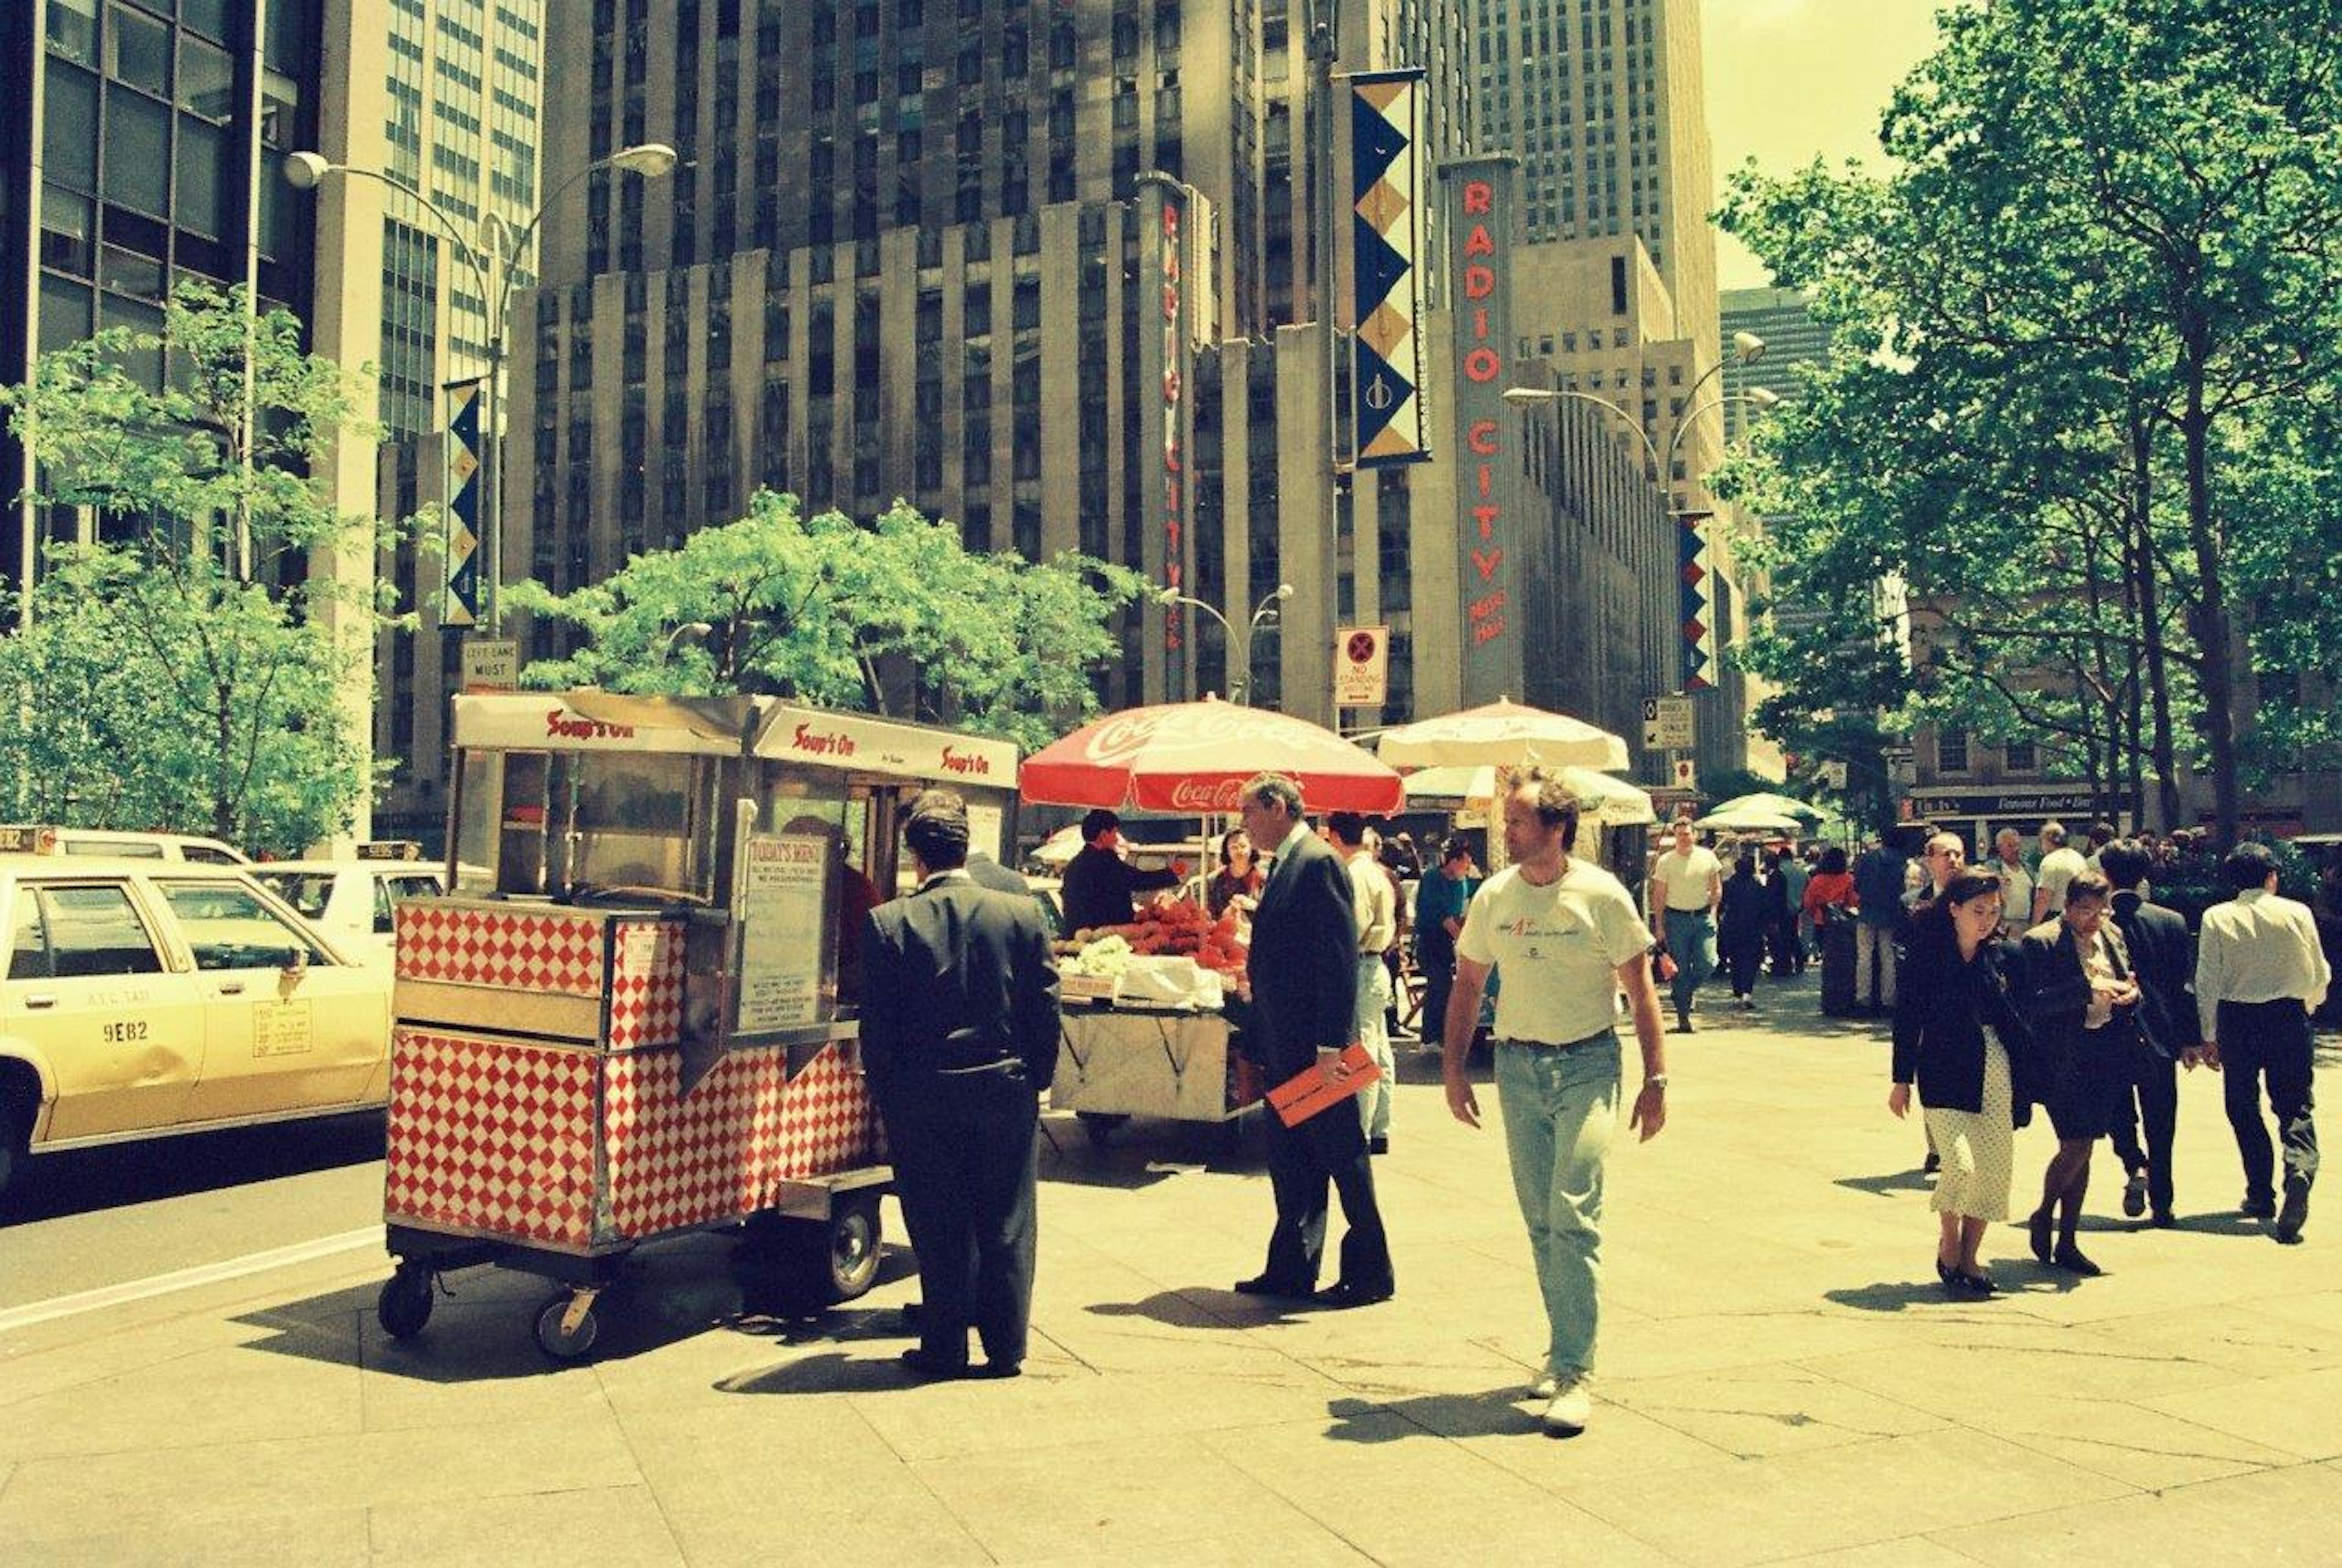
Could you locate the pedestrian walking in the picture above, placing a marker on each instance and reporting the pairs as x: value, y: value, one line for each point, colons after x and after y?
x: 2081, y: 1000
x: 1744, y: 915
x: 1440, y: 901
x: 1790, y: 875
x: 1687, y: 890
x: 958, y: 1041
x: 2260, y: 974
x: 2163, y: 957
x: 1568, y: 939
x: 1374, y: 901
x: 2007, y: 863
x: 2060, y: 863
x: 1878, y: 877
x: 1303, y: 980
x: 1958, y: 1038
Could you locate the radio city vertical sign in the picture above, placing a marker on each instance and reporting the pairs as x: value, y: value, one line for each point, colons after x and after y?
x: 1696, y: 572
x: 1482, y: 197
x: 1164, y: 370
x: 459, y: 605
x: 1386, y: 424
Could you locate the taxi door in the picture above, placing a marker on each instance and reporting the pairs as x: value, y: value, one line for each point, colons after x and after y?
x: 89, y: 993
x: 288, y: 1026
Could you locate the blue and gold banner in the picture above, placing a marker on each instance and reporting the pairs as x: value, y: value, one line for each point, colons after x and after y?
x: 1697, y: 595
x: 460, y: 606
x: 1386, y: 419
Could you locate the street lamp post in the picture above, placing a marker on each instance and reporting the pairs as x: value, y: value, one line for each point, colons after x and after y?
x: 491, y: 256
x: 1239, y: 644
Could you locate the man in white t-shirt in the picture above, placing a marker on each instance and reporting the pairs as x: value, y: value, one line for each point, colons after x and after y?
x: 1568, y: 939
x: 1686, y: 887
x: 2060, y: 864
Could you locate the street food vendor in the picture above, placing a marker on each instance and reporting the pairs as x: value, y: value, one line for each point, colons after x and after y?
x: 1100, y: 885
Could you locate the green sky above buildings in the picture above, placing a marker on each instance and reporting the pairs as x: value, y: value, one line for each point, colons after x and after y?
x: 1791, y: 79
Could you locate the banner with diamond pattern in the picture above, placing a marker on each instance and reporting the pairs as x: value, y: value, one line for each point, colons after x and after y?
x: 459, y: 607
x: 1387, y: 414
x: 1698, y: 599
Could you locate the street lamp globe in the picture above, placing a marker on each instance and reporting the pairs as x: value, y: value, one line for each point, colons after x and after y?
x: 1764, y: 397
x: 651, y: 160
x: 1522, y: 396
x: 1747, y: 348
x: 1285, y: 590
x: 306, y: 171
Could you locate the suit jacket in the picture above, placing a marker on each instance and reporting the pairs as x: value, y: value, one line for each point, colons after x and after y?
x: 2163, y: 956
x: 2056, y: 999
x: 957, y: 976
x: 1099, y: 887
x: 1942, y: 1006
x: 1303, y: 962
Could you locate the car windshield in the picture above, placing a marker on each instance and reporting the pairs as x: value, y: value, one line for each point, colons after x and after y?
x: 306, y: 891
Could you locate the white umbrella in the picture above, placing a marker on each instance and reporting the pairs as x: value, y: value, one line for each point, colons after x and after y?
x: 1503, y: 732
x: 1766, y: 804
x: 1749, y: 819
x: 1605, y: 802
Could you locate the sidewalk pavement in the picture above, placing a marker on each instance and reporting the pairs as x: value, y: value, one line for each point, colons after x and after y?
x: 1780, y: 1379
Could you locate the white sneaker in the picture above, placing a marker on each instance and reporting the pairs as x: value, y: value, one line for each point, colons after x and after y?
x: 1546, y: 1387
x: 1569, y: 1410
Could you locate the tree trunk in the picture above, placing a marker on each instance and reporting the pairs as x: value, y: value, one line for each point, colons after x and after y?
x: 2210, y: 619
x: 223, y: 769
x: 2150, y: 620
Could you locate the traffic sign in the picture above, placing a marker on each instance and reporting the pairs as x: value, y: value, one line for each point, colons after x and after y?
x: 1685, y: 775
x: 1668, y: 724
x: 1834, y: 775
x: 491, y: 663
x: 1361, y: 666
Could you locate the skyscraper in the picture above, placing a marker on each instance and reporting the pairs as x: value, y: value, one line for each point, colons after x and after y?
x: 1784, y: 318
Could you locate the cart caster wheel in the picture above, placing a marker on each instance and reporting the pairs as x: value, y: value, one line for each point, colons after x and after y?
x: 571, y: 1344
x: 404, y: 1304
x: 1099, y: 1125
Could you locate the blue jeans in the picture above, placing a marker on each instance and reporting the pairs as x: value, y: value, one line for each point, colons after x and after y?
x: 1691, y: 943
x: 1560, y: 1108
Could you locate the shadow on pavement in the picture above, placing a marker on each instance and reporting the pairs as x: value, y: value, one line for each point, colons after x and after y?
x: 1909, y: 1181
x: 1495, y: 1413
x: 117, y: 1175
x: 834, y: 1372
x: 1212, y: 1307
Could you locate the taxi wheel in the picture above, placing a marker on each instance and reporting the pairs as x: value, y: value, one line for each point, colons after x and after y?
x: 571, y: 1345
x: 16, y: 1138
x: 404, y: 1304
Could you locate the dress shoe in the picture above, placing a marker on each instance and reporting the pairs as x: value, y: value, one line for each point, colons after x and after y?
x: 2134, y: 1194
x: 2162, y: 1220
x: 1378, y: 1144
x: 933, y: 1367
x: 2294, y: 1214
x: 1566, y: 1413
x: 1933, y: 1164
x: 997, y: 1368
x: 2069, y: 1258
x: 2036, y: 1227
x: 1342, y: 1293
x: 2258, y: 1208
x: 1266, y: 1285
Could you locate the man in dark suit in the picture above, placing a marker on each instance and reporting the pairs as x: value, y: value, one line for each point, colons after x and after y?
x: 1304, y: 975
x: 2163, y: 956
x: 1100, y: 884
x: 2081, y: 1000
x: 960, y: 1038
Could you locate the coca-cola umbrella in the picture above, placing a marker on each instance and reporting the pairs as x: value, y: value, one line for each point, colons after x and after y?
x: 1193, y: 758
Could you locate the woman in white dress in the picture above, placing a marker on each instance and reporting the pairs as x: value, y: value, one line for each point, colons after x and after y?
x: 1959, y: 1038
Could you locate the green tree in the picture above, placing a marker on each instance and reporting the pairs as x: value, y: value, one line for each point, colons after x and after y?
x: 2086, y: 322
x: 895, y: 617
x: 187, y: 670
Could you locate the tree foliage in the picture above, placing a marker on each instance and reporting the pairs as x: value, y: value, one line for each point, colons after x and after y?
x: 182, y: 670
x: 2081, y: 399
x: 895, y: 617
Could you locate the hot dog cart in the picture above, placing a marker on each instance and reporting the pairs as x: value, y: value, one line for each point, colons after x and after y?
x: 633, y: 1015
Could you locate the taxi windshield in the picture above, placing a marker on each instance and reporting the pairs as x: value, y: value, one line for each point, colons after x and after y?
x: 306, y: 891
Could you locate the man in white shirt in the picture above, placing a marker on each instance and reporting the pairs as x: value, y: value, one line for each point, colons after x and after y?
x: 2059, y: 865
x: 2260, y: 974
x: 2007, y: 863
x: 1686, y: 887
x: 1375, y: 902
x: 1567, y: 937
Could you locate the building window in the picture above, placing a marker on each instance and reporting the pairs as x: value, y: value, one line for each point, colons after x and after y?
x: 1951, y: 751
x: 2022, y: 757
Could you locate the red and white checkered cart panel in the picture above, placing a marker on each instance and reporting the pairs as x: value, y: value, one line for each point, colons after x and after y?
x: 722, y: 1153
x: 491, y: 1136
x: 553, y: 953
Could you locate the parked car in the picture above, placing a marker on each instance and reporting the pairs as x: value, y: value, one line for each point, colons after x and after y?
x: 146, y: 997
x: 352, y: 900
x: 40, y: 838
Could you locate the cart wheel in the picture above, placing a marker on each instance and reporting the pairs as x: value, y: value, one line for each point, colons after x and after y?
x: 404, y: 1304
x: 1100, y: 1125
x: 571, y: 1345
x: 855, y: 1235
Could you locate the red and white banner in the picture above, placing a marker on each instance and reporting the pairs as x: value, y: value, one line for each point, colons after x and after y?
x: 1193, y: 758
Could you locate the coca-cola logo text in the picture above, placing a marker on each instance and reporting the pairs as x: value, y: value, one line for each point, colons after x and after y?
x: 1167, y: 732
x: 563, y: 725
x: 1206, y: 794
x: 822, y: 742
x: 967, y: 764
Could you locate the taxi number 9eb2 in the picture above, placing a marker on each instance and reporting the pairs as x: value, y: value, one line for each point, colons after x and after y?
x: 125, y: 1033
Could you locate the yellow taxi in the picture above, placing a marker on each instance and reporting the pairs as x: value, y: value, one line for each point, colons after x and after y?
x: 352, y: 900
x: 146, y: 997
x: 41, y: 838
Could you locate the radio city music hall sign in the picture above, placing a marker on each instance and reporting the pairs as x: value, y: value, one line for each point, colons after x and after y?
x: 1486, y: 609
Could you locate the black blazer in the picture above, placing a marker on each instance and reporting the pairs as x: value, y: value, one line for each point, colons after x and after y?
x: 2057, y: 998
x: 957, y: 975
x: 1099, y: 886
x: 2163, y: 956
x: 1942, y: 1006
x: 1303, y: 962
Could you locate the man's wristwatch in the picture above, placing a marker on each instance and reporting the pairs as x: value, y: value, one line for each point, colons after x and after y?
x: 1655, y: 1080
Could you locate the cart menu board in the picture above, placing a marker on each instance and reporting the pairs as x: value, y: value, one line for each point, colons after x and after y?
x: 984, y: 831
x: 784, y: 878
